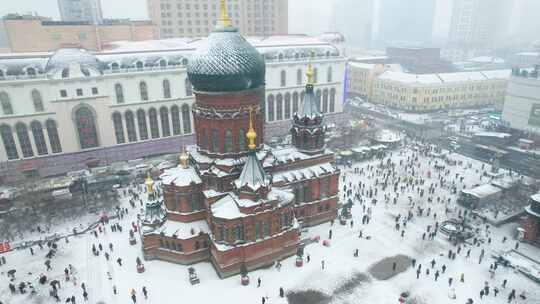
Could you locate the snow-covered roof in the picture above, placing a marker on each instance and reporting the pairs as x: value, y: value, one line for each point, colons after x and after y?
x: 444, y: 77
x: 487, y: 59
x: 462, y: 76
x: 288, y: 154
x: 498, y: 74
x: 304, y: 173
x: 410, y: 78
x: 309, y: 107
x: 253, y: 175
x: 181, y: 177
x: 493, y: 134
x: 229, y: 206
x: 362, y: 65
x: 536, y: 197
x: 181, y: 230
x: 483, y: 191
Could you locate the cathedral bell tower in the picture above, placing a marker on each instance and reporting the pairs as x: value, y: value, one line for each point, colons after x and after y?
x: 228, y: 77
x: 308, y: 128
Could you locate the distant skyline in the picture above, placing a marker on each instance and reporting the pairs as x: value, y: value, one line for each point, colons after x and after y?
x: 319, y: 12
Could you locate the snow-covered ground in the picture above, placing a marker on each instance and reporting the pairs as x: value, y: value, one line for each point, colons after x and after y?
x: 168, y: 283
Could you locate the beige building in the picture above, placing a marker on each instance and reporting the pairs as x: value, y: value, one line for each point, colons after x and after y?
x: 361, y: 77
x: 36, y: 34
x: 428, y: 92
x: 386, y: 84
x: 189, y: 18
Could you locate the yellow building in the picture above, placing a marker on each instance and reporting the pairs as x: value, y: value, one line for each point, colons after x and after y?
x: 428, y: 92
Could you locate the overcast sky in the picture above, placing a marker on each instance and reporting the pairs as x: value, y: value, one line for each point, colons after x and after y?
x: 319, y: 12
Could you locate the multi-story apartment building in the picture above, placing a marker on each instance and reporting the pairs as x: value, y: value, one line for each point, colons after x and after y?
x: 477, y: 26
x: 81, y: 11
x: 522, y: 103
x: 71, y: 109
x: 38, y: 34
x: 196, y: 18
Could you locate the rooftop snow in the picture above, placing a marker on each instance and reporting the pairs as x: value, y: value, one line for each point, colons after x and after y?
x: 483, y: 191
x: 493, y: 134
x: 305, y: 173
x: 180, y: 177
x: 228, y: 207
x: 181, y: 230
x: 444, y: 77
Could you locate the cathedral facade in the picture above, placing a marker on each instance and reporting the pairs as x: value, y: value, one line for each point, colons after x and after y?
x: 233, y: 200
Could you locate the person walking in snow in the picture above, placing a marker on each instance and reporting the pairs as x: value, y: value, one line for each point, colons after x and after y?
x: 145, y: 292
x: 258, y: 282
x: 119, y: 261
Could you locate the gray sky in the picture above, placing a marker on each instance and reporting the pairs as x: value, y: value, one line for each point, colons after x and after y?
x: 319, y: 12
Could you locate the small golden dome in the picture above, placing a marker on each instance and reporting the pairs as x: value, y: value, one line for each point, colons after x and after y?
x: 184, y: 159
x: 149, y: 183
x: 251, y: 134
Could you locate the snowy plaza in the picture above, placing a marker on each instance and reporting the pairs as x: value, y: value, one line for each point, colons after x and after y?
x: 330, y: 274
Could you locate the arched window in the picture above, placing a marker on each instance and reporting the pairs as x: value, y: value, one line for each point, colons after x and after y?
x: 204, y: 139
x: 143, y: 90
x: 215, y: 140
x: 86, y: 127
x: 175, y: 115
x: 9, y: 142
x: 141, y: 122
x: 315, y: 75
x: 24, y: 140
x: 299, y: 77
x: 270, y: 107
x: 154, y: 127
x: 54, y: 139
x: 166, y: 89
x: 165, y: 127
x: 39, y: 137
x: 38, y: 101
x: 119, y: 93
x: 184, y: 61
x: 186, y: 119
x: 228, y: 141
x: 163, y: 63
x: 283, y: 78
x: 318, y: 96
x: 6, y: 103
x: 332, y: 100
x: 118, y: 128
x: 65, y: 73
x: 241, y: 140
x: 287, y: 105
x: 139, y: 65
x: 115, y: 66
x: 325, y: 101
x: 329, y: 74
x: 295, y: 102
x: 2, y: 73
x: 130, y: 126
x: 189, y: 87
x: 279, y: 107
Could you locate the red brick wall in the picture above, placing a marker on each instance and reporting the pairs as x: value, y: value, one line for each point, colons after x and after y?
x: 255, y: 255
x: 531, y: 226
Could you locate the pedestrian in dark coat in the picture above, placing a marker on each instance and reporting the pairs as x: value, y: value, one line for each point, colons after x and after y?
x: 281, y: 292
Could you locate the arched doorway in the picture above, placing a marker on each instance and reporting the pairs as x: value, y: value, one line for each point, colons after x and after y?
x: 86, y: 128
